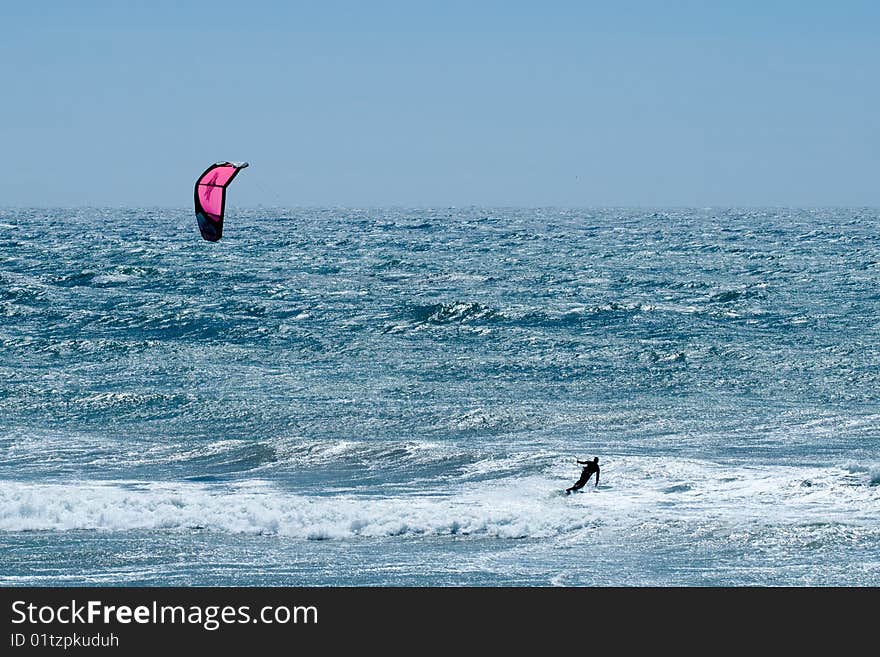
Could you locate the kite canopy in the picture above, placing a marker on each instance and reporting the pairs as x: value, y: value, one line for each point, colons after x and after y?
x: 210, y: 197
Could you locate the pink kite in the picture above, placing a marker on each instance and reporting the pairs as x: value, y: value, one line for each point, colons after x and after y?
x: 210, y: 197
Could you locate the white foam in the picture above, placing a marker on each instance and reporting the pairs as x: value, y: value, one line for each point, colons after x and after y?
x: 110, y: 279
x: 871, y: 470
x: 261, y: 508
x: 635, y: 495
x: 690, y: 489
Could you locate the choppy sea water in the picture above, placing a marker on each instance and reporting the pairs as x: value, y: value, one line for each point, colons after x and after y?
x: 397, y: 397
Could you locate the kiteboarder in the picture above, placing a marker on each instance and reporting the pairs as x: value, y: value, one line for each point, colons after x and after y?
x: 586, y: 473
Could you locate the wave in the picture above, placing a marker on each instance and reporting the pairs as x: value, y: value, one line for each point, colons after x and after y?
x: 524, y: 501
x: 455, y: 313
x: 260, y: 509
x: 363, y: 455
x: 729, y: 296
x: 65, y: 453
x: 871, y: 470
x: 462, y: 313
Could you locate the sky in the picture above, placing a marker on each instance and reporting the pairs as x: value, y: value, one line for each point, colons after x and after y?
x: 439, y: 104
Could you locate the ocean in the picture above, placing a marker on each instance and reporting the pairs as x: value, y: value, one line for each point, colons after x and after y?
x: 378, y: 397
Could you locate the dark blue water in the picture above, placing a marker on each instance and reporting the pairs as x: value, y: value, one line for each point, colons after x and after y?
x: 335, y: 397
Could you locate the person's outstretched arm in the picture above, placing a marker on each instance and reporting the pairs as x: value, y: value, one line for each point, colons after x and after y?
x: 597, y: 478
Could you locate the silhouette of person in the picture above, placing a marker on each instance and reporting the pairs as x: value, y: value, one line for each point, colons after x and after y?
x: 586, y: 473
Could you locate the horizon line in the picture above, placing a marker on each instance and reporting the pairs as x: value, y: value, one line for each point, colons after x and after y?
x: 436, y: 206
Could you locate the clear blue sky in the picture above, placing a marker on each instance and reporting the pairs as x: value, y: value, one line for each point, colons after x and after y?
x: 442, y: 103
